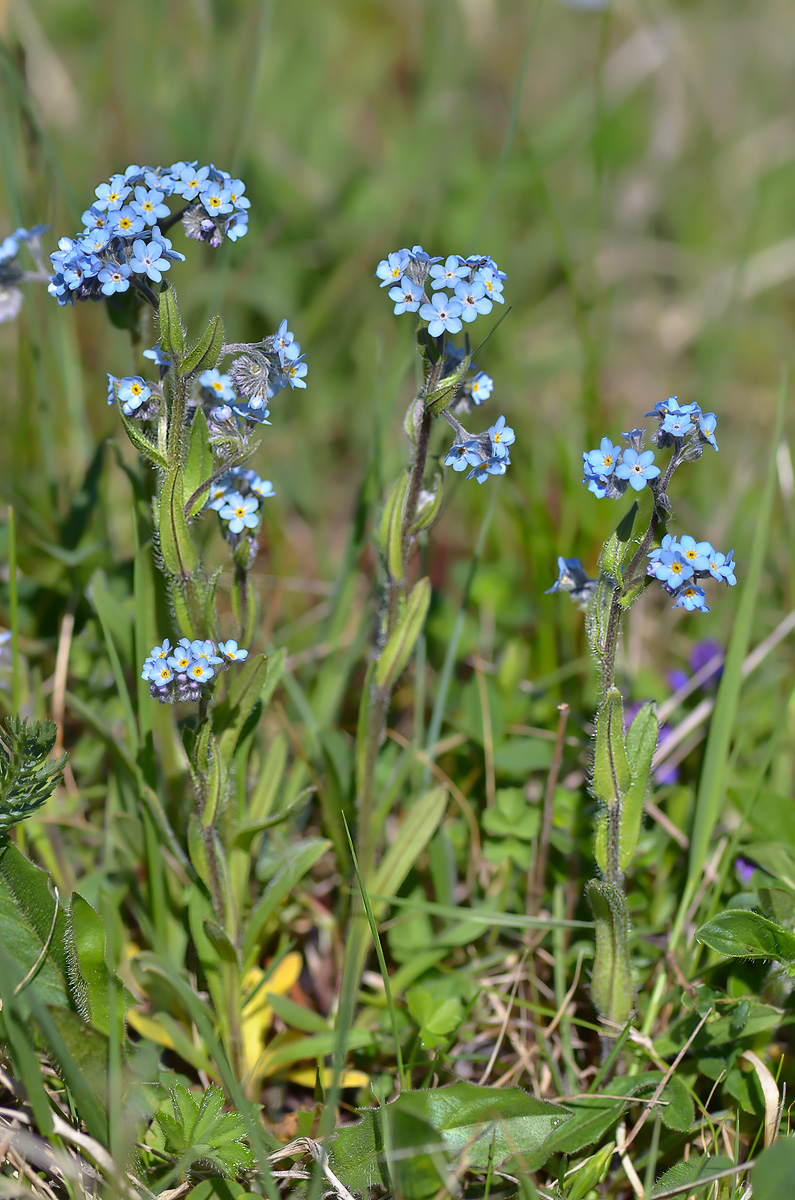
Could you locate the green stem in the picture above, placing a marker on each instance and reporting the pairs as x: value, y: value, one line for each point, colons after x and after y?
x: 380, y: 698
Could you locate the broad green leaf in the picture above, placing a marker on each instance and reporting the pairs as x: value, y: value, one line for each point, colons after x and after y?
x: 390, y: 536
x: 683, y: 1179
x: 590, y: 1117
x: 775, y: 859
x: 204, y: 355
x: 176, y: 547
x: 435, y: 1018
x: 778, y: 904
x: 739, y: 933
x: 172, y: 340
x: 199, y: 465
x: 677, y: 1105
x: 611, y: 980
x: 490, y: 1125
x: 30, y: 919
x: 611, y: 775
x: 773, y: 1175
x: 16, y: 1034
x: 400, y: 647
x: 761, y: 1018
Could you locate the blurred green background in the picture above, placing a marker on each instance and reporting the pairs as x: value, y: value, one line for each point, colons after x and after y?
x: 630, y: 167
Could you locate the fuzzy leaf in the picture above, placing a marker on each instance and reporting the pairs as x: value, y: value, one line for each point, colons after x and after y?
x: 205, y: 353
x: 172, y: 340
x: 611, y: 981
x: 140, y: 441
x: 176, y: 546
x: 611, y: 776
x: 489, y: 1125
x: 400, y: 647
x: 684, y: 1177
x: 617, y: 545
x: 89, y: 977
x: 390, y: 536
x: 199, y: 465
x: 641, y: 742
x: 742, y: 934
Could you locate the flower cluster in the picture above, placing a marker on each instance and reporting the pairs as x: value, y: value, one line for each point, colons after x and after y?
x: 230, y: 400
x: 678, y: 564
x: 123, y: 241
x: 11, y: 273
x: 610, y: 469
x: 474, y: 283
x: 236, y: 496
x: 182, y: 672
x: 486, y: 454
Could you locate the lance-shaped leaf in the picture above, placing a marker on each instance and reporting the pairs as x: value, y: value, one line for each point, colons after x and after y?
x: 206, y: 352
x: 210, y: 774
x: 611, y: 776
x: 430, y: 504
x: 616, y: 547
x: 90, y: 980
x: 440, y: 397
x: 142, y: 444
x: 176, y: 546
x: 634, y: 591
x: 611, y: 981
x: 400, y: 647
x: 390, y: 536
x: 640, y: 743
x: 488, y: 1125
x: 172, y: 339
x: 199, y: 465
x: 598, y: 616
x: 742, y: 934
x: 243, y: 694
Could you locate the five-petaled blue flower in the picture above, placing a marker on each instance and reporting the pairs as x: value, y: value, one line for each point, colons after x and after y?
x: 637, y: 468
x: 240, y: 513
x: 442, y: 314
